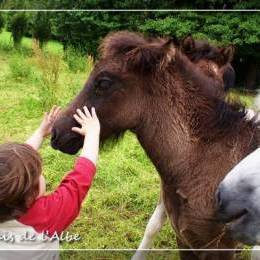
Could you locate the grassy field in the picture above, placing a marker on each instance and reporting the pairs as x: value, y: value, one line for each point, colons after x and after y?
x: 126, y: 187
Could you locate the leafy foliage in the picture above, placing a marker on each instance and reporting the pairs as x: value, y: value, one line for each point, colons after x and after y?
x: 84, y: 30
x: 239, y: 29
x: 20, y: 68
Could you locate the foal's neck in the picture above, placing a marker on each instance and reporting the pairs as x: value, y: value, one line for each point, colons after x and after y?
x: 166, y: 133
x: 165, y: 139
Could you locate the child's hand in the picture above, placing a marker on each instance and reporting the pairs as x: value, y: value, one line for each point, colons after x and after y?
x: 35, y: 140
x: 90, y: 128
x: 89, y: 123
x: 48, y: 121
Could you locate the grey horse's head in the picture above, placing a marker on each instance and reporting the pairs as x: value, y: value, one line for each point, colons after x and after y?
x: 238, y: 199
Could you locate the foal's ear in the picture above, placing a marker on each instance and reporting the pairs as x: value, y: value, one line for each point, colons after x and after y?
x: 188, y: 44
x: 151, y: 57
x: 227, y: 53
x: 169, y: 51
x: 175, y: 41
x: 142, y: 59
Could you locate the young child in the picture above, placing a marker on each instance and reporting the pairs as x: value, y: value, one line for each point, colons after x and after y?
x: 28, y: 218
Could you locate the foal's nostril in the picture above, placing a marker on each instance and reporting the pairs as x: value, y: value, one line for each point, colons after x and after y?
x: 54, y: 135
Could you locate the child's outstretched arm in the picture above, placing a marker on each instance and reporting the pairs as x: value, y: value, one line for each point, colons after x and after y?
x: 35, y: 140
x: 56, y: 211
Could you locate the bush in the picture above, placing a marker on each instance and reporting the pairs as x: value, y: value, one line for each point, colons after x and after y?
x: 20, y: 68
x: 77, y: 61
x: 90, y: 64
x: 49, y: 66
x: 48, y: 63
x: 18, y: 27
x: 6, y: 44
x: 48, y: 95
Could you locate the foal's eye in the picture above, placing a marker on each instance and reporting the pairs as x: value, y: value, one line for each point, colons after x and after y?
x: 104, y: 84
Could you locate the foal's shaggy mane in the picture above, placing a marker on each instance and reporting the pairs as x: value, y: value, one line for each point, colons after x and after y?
x: 218, y: 119
x: 210, y: 117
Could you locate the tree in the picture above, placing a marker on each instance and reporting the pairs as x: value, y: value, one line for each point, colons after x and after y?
x: 2, y: 22
x: 41, y: 27
x: 18, y: 27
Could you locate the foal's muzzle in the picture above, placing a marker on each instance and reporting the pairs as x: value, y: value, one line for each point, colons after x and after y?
x: 63, y: 138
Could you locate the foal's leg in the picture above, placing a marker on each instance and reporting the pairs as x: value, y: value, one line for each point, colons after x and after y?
x: 255, y: 254
x: 185, y: 255
x: 152, y: 229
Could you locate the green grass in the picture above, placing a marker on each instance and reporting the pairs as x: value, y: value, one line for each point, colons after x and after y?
x: 126, y: 186
x: 245, y: 99
x: 6, y: 44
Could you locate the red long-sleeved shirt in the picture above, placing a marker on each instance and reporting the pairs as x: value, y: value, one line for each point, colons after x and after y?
x: 55, y: 212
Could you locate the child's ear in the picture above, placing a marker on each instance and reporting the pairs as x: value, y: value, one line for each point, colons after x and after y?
x: 188, y: 44
x: 227, y: 53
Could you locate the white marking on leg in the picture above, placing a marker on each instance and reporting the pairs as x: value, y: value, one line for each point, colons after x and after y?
x: 255, y: 254
x: 250, y: 113
x: 153, y: 227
